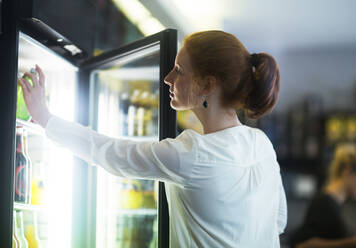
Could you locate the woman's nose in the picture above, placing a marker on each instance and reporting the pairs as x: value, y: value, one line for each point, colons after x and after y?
x: 168, y: 79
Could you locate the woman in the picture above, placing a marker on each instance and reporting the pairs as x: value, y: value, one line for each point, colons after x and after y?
x: 324, y: 225
x: 223, y: 187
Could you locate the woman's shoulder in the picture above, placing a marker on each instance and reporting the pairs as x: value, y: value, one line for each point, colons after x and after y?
x: 259, y: 140
x: 243, y: 134
x: 242, y: 138
x: 184, y: 142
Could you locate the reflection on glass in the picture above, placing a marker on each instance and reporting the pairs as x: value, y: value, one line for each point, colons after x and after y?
x: 47, y: 215
x: 126, y: 98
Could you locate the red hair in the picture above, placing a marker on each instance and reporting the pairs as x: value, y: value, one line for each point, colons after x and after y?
x: 244, y: 86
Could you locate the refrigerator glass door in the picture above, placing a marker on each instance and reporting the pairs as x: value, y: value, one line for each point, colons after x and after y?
x: 125, y: 104
x: 47, y: 215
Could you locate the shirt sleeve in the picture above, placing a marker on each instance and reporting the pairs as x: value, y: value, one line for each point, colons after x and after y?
x: 282, y: 210
x: 123, y: 157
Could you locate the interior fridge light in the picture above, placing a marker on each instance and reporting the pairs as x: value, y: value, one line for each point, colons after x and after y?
x: 73, y: 49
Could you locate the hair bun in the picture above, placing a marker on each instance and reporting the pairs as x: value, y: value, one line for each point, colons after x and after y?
x: 265, y: 80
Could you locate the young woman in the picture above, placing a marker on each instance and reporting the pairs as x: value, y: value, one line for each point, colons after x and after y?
x: 324, y: 226
x: 224, y: 187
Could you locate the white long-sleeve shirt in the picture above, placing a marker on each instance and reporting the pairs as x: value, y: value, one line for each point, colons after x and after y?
x: 224, y: 189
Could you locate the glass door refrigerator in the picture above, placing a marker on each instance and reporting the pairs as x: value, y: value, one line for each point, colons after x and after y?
x: 128, y: 99
x: 50, y: 198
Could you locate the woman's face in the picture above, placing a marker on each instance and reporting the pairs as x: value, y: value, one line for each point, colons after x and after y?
x: 183, y: 89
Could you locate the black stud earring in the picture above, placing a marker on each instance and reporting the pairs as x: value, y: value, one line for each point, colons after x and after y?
x: 205, y: 104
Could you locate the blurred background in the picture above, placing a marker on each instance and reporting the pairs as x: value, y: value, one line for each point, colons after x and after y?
x: 314, y: 43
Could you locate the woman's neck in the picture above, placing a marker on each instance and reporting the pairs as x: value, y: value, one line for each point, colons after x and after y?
x: 215, y: 118
x: 337, y: 190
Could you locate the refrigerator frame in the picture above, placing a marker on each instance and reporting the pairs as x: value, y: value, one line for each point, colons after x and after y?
x: 167, y: 40
x: 8, y: 95
x: 12, y: 24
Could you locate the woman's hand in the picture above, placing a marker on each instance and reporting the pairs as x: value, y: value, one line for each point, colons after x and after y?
x: 34, y: 96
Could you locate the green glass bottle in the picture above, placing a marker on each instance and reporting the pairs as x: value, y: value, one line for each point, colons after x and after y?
x: 21, y: 110
x: 20, y: 230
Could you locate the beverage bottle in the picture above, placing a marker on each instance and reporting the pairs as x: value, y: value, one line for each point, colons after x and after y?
x: 31, y: 230
x: 145, y: 124
x: 148, y: 194
x: 20, y: 230
x: 132, y: 113
x: 42, y: 225
x: 29, y: 162
x: 154, y: 227
x: 22, y: 169
x: 154, y: 240
x: 140, y: 114
x: 15, y: 242
x: 124, y: 104
x: 37, y: 188
x: 126, y: 232
x: 130, y: 195
x: 155, y: 112
x: 21, y: 110
x: 135, y: 195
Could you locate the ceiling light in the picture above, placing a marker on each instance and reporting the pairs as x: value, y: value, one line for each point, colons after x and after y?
x: 139, y: 16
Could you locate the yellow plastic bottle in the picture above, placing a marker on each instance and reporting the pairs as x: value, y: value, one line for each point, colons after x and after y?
x: 33, y: 241
x: 131, y: 196
x: 31, y: 233
x: 37, y: 187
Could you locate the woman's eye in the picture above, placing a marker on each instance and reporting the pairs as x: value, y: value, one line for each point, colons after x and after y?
x: 177, y: 69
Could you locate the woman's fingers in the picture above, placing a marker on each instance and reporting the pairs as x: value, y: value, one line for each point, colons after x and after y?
x: 26, y: 87
x: 21, y: 84
x: 40, y: 75
x: 33, y: 78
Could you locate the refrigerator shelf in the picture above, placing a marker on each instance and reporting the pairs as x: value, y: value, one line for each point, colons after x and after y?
x: 31, y: 127
x: 140, y: 211
x: 28, y: 207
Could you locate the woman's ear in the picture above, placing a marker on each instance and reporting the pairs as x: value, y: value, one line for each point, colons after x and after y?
x: 209, y: 85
